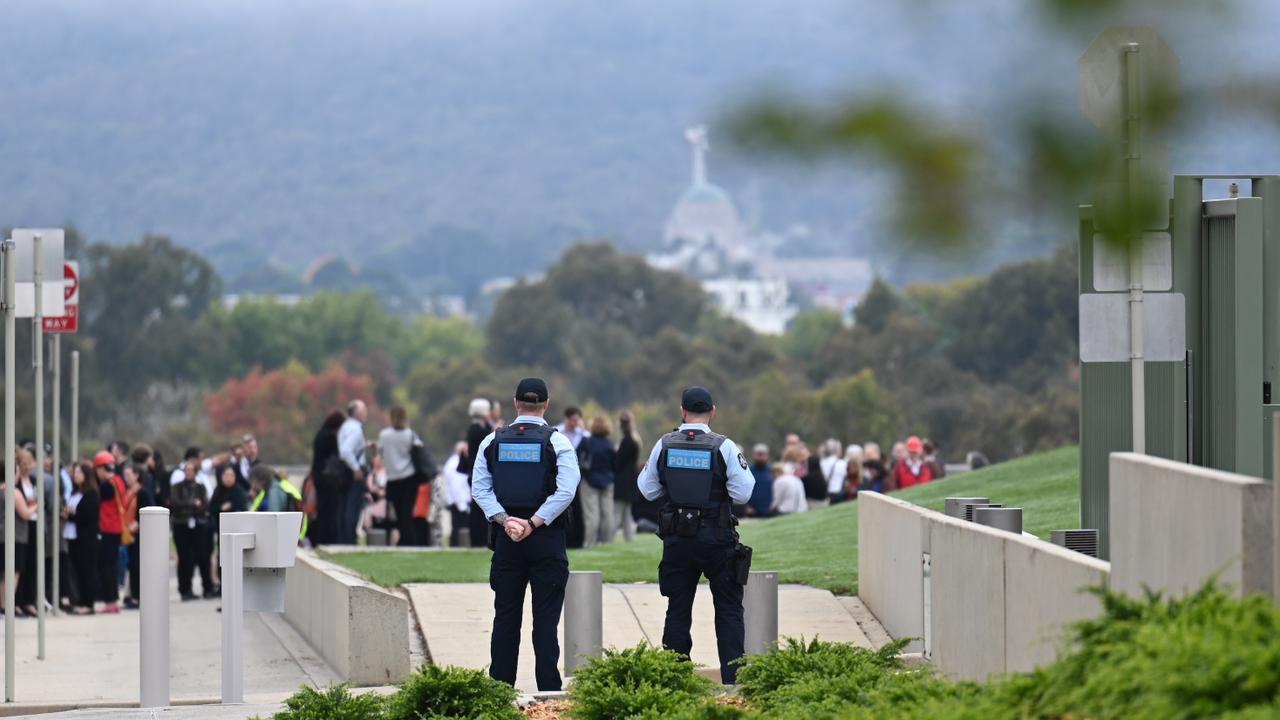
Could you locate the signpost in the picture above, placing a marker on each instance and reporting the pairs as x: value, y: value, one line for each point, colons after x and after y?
x: 30, y: 256
x: 56, y: 326
x: 10, y: 579
x: 1126, y: 75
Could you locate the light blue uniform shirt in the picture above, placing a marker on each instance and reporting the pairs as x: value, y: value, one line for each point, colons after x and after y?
x: 567, y: 476
x: 741, y: 481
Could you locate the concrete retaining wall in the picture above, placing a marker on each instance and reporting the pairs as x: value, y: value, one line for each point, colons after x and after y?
x: 1175, y: 525
x: 890, y: 537
x: 997, y: 602
x: 360, y: 629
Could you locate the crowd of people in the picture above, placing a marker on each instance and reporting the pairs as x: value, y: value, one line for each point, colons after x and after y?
x: 801, y: 479
x: 97, y: 530
x: 384, y: 487
x: 403, y: 497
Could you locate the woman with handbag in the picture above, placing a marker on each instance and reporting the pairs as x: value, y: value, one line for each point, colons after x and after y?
x: 408, y: 465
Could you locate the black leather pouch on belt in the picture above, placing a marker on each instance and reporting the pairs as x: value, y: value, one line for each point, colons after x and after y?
x: 666, y: 523
x: 742, y: 563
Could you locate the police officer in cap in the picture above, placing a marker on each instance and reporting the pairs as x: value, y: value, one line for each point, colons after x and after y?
x: 700, y: 474
x: 525, y: 476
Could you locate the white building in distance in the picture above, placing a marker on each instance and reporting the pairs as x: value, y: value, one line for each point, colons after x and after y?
x: 704, y: 237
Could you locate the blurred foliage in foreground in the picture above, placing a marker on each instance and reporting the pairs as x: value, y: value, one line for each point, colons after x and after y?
x: 947, y: 183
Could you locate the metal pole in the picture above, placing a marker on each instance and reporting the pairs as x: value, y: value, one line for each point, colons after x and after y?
x: 75, y: 406
x: 1133, y: 161
x: 9, y: 476
x: 37, y: 365
x: 231, y: 553
x: 153, y: 536
x: 583, y: 618
x: 760, y: 611
x: 56, y: 372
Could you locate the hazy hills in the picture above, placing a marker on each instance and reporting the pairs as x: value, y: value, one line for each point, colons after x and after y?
x: 446, y: 142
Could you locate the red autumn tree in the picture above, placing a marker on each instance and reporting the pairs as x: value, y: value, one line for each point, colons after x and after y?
x: 284, y: 408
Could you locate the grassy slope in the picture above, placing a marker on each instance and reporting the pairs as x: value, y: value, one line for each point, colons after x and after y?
x: 818, y: 548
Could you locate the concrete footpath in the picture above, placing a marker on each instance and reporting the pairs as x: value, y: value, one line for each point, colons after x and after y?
x: 92, y: 661
x: 457, y: 621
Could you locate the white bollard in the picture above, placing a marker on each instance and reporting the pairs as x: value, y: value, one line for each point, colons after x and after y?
x: 153, y: 611
x: 760, y: 611
x: 583, y: 618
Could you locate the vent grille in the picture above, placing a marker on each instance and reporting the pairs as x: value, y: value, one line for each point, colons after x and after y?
x: 1081, y: 541
x: 955, y: 505
x: 969, y: 507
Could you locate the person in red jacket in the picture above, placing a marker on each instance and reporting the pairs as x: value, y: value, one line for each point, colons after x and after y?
x: 110, y: 526
x: 912, y: 470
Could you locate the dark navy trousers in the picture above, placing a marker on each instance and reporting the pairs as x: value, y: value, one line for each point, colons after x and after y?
x: 684, y: 562
x: 540, y: 563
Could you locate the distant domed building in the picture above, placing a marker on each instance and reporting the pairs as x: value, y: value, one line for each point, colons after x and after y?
x: 704, y: 229
x: 704, y: 237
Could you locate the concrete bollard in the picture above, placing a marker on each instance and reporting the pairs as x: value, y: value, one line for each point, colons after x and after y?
x: 760, y: 606
x: 583, y: 618
x: 153, y: 611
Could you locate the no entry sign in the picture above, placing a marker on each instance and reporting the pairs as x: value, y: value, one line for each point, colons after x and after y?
x: 69, y: 322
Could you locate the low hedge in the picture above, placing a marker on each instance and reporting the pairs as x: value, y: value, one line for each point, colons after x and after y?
x: 1204, y: 655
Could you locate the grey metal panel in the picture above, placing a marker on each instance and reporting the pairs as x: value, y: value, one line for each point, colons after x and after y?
x: 1105, y: 421
x: 1104, y: 327
x: 1233, y: 335
x: 1111, y: 263
x: 1268, y: 188
x: 1220, y: 340
x: 1248, y: 316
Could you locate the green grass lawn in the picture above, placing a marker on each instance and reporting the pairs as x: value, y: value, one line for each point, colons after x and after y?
x: 818, y: 548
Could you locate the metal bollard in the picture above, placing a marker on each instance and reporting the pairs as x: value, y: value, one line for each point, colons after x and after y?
x: 583, y: 618
x: 760, y: 611
x: 153, y: 610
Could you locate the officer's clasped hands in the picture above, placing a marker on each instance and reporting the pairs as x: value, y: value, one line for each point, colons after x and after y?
x: 517, y: 529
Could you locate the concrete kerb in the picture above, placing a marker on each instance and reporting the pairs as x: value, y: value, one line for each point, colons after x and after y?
x: 359, y: 628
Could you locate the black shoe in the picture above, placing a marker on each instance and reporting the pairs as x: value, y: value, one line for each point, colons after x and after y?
x: 130, y: 604
x: 214, y: 593
x: 188, y: 596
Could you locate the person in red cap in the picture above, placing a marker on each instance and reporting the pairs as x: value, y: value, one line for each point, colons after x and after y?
x: 912, y: 470
x: 110, y: 526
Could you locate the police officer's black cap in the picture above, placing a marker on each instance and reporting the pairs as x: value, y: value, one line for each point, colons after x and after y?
x: 697, y: 400
x: 532, y: 390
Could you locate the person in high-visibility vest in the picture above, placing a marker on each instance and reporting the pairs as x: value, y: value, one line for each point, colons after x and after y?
x: 277, y: 494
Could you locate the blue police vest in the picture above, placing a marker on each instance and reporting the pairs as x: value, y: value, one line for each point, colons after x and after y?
x: 523, y: 464
x: 692, y: 469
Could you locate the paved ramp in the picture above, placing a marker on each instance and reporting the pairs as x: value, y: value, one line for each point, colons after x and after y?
x: 93, y: 660
x: 457, y: 621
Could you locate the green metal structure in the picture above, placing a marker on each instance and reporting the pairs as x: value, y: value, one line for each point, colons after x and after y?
x: 1214, y: 406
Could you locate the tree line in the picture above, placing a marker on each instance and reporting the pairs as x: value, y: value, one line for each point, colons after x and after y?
x: 977, y: 364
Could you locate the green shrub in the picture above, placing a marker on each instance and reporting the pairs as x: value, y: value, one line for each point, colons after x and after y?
x: 629, y: 683
x: 707, y: 710
x: 1199, y: 656
x: 452, y: 692
x: 1207, y: 655
x: 335, y: 703
x: 762, y: 677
